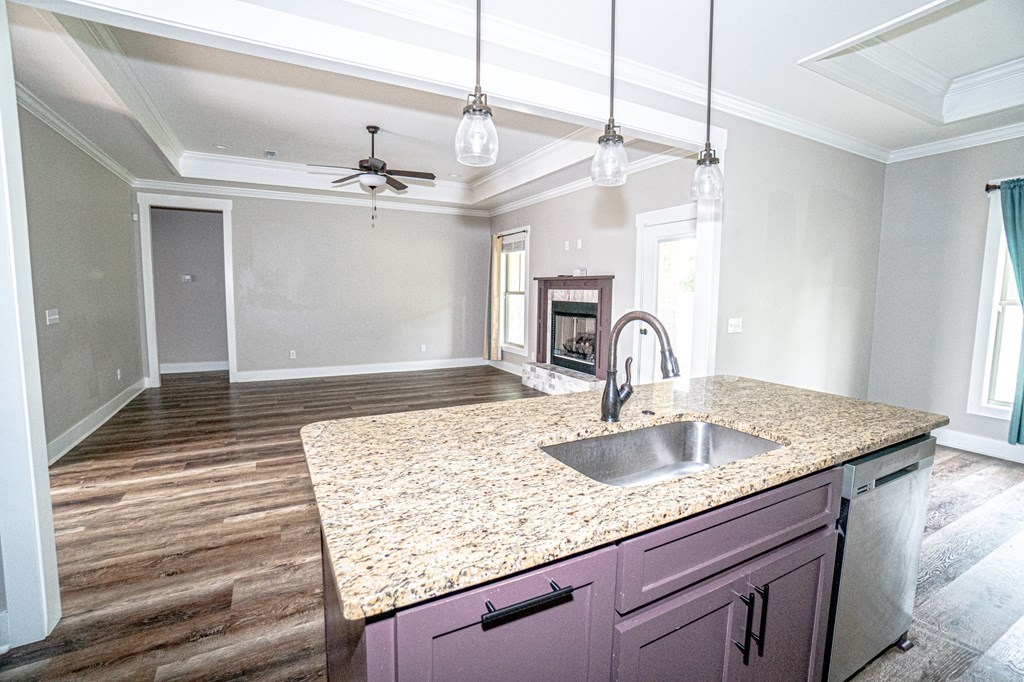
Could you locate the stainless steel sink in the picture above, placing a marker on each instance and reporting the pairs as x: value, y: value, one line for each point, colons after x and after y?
x: 657, y: 453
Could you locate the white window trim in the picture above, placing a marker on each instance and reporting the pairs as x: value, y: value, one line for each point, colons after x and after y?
x: 515, y: 350
x: 984, y: 333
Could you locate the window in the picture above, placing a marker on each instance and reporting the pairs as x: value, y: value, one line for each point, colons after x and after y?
x: 513, y: 291
x: 1000, y: 323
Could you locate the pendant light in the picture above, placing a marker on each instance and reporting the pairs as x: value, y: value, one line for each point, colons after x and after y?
x: 476, y: 142
x: 608, y: 168
x: 708, y: 181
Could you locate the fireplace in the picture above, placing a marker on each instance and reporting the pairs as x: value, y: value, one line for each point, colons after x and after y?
x: 574, y: 336
x: 573, y: 322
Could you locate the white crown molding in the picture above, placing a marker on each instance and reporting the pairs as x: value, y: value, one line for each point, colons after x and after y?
x: 1009, y: 132
x: 282, y: 195
x: 569, y: 150
x: 984, y: 92
x: 51, y: 118
x: 583, y: 183
x: 101, y: 48
x: 226, y: 168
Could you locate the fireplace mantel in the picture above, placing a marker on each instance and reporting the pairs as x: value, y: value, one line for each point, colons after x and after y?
x: 602, y: 284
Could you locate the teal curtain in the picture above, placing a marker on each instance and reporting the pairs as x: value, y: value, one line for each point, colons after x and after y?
x: 1012, y: 197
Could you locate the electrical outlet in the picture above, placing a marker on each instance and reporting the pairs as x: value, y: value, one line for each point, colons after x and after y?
x: 118, y: 373
x: 423, y: 348
x: 567, y: 246
x: 735, y: 325
x: 187, y: 278
x: 52, y: 316
x: 291, y: 354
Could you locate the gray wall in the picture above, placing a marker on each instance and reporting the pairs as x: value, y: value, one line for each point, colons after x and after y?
x: 191, y: 321
x: 929, y: 279
x: 317, y: 279
x: 799, y: 252
x: 83, y: 264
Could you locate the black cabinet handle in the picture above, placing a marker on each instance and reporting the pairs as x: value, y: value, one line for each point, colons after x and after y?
x: 495, y: 617
x: 759, y: 638
x: 747, y: 634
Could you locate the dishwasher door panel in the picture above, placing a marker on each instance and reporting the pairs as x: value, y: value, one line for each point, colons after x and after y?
x: 884, y: 529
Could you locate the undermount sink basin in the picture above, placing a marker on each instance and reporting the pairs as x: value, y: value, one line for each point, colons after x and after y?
x: 657, y: 453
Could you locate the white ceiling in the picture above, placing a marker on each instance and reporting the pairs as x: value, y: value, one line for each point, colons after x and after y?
x: 156, y: 86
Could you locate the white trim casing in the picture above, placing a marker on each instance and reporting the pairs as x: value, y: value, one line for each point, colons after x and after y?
x: 62, y: 444
x: 146, y: 203
x: 187, y: 367
x: 984, y: 332
x: 346, y: 370
x: 979, y: 444
x: 525, y: 350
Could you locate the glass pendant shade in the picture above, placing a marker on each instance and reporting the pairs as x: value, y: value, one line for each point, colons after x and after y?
x: 708, y: 181
x: 476, y: 142
x: 609, y: 167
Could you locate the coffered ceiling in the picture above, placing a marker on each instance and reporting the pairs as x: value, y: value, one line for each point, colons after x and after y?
x: 196, y: 91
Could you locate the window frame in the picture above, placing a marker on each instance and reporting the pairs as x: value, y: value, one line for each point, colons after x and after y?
x: 992, y: 277
x: 506, y: 347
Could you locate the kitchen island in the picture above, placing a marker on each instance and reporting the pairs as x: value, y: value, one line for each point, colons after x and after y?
x: 418, y: 505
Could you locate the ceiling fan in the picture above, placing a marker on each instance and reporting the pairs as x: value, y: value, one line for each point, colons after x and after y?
x: 373, y: 172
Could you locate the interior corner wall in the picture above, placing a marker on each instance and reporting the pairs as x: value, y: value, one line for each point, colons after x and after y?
x: 84, y: 265
x: 346, y: 296
x: 929, y: 279
x: 799, y: 252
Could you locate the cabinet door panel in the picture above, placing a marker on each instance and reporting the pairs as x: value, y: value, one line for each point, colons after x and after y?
x: 444, y: 640
x: 688, y: 637
x: 799, y: 581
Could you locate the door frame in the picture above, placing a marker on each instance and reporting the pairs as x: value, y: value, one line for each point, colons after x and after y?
x: 708, y: 216
x: 146, y: 203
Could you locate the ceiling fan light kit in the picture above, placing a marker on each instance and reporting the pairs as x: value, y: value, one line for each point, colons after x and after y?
x: 476, y: 141
x: 609, y: 166
x: 708, y: 180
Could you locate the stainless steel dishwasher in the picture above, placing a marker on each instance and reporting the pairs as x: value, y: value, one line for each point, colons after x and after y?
x: 881, y: 524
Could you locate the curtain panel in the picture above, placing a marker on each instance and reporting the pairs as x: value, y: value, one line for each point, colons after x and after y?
x: 1012, y: 201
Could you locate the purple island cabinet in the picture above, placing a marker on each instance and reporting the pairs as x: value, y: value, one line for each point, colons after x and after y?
x: 740, y: 592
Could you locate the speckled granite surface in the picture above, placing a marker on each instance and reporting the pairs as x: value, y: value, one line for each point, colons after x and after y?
x: 418, y: 504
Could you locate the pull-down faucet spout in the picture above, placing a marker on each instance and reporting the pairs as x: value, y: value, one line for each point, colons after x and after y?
x: 615, y: 396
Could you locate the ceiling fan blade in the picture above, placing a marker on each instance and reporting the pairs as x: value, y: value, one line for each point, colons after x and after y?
x: 395, y: 184
x: 327, y: 165
x: 412, y: 174
x: 345, y: 179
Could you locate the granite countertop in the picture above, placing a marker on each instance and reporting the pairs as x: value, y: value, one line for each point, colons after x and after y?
x: 418, y: 504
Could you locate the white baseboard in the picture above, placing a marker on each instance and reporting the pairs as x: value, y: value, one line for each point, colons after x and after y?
x: 509, y: 367
x: 185, y: 367
x: 992, y: 447
x: 60, y: 445
x: 5, y: 634
x: 345, y: 370
x: 150, y: 382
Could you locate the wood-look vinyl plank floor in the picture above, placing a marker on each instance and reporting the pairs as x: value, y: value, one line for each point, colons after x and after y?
x: 187, y: 533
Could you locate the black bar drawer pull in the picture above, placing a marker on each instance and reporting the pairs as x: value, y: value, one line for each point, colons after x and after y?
x: 747, y: 631
x: 759, y: 638
x: 495, y: 617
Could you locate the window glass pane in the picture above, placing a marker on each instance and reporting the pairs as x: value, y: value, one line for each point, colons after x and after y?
x: 515, y: 319
x: 677, y: 272
x: 515, y: 275
x: 1006, y: 360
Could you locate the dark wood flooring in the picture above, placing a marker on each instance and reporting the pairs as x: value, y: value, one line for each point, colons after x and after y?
x: 188, y: 547
x: 187, y: 536
x: 969, y: 610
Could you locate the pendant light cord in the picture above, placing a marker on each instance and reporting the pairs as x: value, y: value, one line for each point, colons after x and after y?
x: 711, y: 37
x: 478, y: 13
x: 611, y: 94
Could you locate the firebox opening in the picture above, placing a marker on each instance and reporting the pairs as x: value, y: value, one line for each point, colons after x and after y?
x: 574, y: 335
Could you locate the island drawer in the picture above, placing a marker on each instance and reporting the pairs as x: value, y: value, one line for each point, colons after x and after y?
x: 553, y: 623
x: 661, y: 562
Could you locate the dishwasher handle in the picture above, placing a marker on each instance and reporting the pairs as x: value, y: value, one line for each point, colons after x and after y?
x: 896, y: 475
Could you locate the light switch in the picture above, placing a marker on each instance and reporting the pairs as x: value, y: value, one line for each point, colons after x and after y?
x: 579, y: 243
x: 735, y: 325
x: 52, y: 316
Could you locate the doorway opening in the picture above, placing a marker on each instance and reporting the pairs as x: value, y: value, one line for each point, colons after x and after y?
x: 188, y: 290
